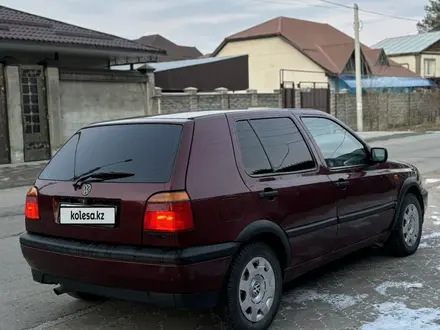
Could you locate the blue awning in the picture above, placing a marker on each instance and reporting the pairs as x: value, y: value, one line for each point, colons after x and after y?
x: 386, y: 82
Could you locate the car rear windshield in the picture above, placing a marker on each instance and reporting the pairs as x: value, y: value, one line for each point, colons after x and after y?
x: 146, y: 150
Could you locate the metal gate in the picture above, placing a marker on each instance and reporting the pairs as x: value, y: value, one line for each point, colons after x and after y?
x: 4, y: 131
x: 34, y: 114
x: 288, y: 90
x: 315, y: 96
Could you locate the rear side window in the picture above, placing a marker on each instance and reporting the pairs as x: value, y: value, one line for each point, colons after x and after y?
x: 147, y: 150
x: 284, y: 144
x: 253, y: 156
x: 277, y: 146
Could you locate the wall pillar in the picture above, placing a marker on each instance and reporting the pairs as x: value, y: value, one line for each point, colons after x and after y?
x: 298, y: 98
x: 15, y: 118
x: 157, y: 100
x: 332, y: 102
x: 150, y: 92
x: 254, y: 97
x: 54, y: 108
x: 192, y: 94
x: 223, y: 97
x: 280, y: 94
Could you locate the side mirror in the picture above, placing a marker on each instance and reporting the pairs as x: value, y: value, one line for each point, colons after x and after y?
x: 379, y: 155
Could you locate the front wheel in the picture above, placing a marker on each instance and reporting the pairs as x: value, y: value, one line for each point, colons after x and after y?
x: 405, y: 239
x: 254, y: 289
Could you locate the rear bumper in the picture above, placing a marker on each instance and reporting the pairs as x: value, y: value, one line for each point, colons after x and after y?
x: 176, y: 278
x: 200, y: 300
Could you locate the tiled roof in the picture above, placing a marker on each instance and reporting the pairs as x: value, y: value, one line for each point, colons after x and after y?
x: 393, y: 69
x: 408, y: 44
x: 20, y: 26
x: 322, y: 43
x: 174, y: 52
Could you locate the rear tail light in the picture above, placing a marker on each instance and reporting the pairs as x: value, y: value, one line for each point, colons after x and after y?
x: 32, y: 211
x: 168, y: 212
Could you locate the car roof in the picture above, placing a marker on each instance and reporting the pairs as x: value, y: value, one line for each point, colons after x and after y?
x: 180, y: 117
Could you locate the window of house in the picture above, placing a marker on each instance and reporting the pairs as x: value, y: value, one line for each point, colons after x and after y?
x: 338, y: 146
x: 383, y: 60
x: 430, y: 67
x: 350, y: 66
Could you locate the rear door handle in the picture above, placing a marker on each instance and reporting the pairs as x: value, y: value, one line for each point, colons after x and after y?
x: 341, y: 183
x: 268, y: 193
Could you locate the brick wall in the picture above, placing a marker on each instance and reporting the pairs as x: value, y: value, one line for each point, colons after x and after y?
x: 387, y: 111
x: 382, y: 111
x: 219, y: 99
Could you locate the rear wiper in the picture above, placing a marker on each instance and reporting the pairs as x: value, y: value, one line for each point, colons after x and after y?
x: 101, y: 176
x: 84, y: 176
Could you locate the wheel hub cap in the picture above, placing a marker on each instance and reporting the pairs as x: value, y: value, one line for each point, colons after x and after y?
x: 256, y: 289
x: 411, y: 222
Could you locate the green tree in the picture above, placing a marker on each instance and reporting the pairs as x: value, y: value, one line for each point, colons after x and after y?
x: 431, y: 22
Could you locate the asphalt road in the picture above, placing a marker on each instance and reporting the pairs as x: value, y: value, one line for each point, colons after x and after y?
x: 367, y: 290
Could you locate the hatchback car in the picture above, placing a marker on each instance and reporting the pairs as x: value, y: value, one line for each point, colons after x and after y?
x: 214, y: 208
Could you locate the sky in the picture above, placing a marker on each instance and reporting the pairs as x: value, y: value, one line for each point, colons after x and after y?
x: 205, y: 23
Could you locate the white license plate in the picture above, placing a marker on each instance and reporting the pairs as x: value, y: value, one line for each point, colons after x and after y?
x: 80, y: 215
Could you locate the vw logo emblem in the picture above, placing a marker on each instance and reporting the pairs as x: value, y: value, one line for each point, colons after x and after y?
x: 86, y: 189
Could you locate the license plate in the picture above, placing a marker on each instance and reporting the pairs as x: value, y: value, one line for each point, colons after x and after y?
x: 81, y: 215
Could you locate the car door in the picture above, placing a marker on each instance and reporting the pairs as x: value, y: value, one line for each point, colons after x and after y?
x: 367, y: 203
x: 277, y: 165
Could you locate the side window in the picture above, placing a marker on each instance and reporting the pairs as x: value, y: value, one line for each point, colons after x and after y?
x: 338, y: 146
x: 253, y: 156
x: 284, y: 144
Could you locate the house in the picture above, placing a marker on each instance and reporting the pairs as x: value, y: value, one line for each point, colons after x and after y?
x: 55, y: 78
x: 174, y: 52
x: 291, y: 52
x: 420, y: 53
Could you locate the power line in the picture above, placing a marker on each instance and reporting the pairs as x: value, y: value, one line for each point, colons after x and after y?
x: 370, y: 11
x: 296, y: 1
x: 335, y: 5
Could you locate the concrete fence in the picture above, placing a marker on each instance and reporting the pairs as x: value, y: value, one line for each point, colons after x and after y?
x: 388, y: 111
x: 73, y: 98
x: 382, y: 110
x: 219, y: 99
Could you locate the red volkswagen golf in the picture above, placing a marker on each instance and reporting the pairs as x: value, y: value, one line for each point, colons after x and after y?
x: 214, y: 208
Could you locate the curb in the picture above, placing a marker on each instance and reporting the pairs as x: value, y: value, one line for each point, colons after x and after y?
x: 24, y: 165
x: 394, y: 136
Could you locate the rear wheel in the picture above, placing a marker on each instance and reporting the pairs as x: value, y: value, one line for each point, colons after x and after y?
x: 85, y: 296
x: 405, y: 239
x: 253, y: 290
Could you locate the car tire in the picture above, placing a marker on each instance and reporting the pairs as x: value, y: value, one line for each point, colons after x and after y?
x: 405, y: 239
x: 84, y: 296
x: 257, y: 270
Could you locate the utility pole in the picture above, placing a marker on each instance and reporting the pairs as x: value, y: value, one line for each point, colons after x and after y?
x: 357, y: 50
